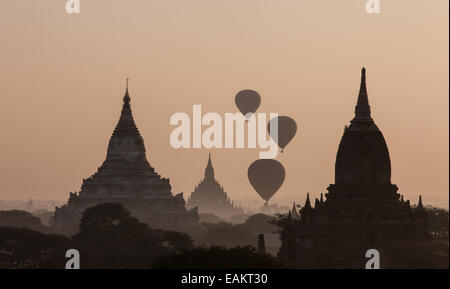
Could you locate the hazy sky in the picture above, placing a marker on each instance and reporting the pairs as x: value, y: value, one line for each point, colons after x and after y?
x: 62, y: 79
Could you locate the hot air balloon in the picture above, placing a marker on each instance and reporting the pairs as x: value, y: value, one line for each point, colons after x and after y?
x: 287, y: 128
x: 266, y: 176
x: 247, y: 101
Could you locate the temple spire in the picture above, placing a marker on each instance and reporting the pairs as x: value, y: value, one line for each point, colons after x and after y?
x: 307, y: 202
x: 209, y: 171
x: 126, y: 98
x: 316, y: 203
x: 294, y: 212
x: 420, y: 205
x: 126, y: 125
x: 362, y: 109
x: 261, y: 244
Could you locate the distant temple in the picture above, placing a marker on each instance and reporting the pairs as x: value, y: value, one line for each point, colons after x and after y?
x: 126, y: 177
x: 362, y: 209
x: 30, y: 206
x: 210, y: 197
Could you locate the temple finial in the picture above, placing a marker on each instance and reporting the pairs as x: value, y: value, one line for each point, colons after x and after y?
x: 126, y: 98
x: 362, y: 109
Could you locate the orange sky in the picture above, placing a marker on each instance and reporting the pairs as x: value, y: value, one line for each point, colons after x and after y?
x: 62, y: 80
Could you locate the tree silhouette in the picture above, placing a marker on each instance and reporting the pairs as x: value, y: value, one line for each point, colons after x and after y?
x: 229, y: 235
x: 21, y: 219
x: 260, y: 223
x: 22, y: 248
x: 226, y: 234
x: 120, y: 240
x: 438, y: 222
x: 217, y: 257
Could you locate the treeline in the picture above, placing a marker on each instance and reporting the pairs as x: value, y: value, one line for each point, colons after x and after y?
x: 110, y: 237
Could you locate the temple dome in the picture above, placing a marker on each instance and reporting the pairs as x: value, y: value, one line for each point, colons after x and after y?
x: 363, y: 156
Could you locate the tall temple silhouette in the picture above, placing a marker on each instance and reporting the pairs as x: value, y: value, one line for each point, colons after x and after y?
x: 210, y: 197
x: 126, y: 177
x: 362, y: 209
